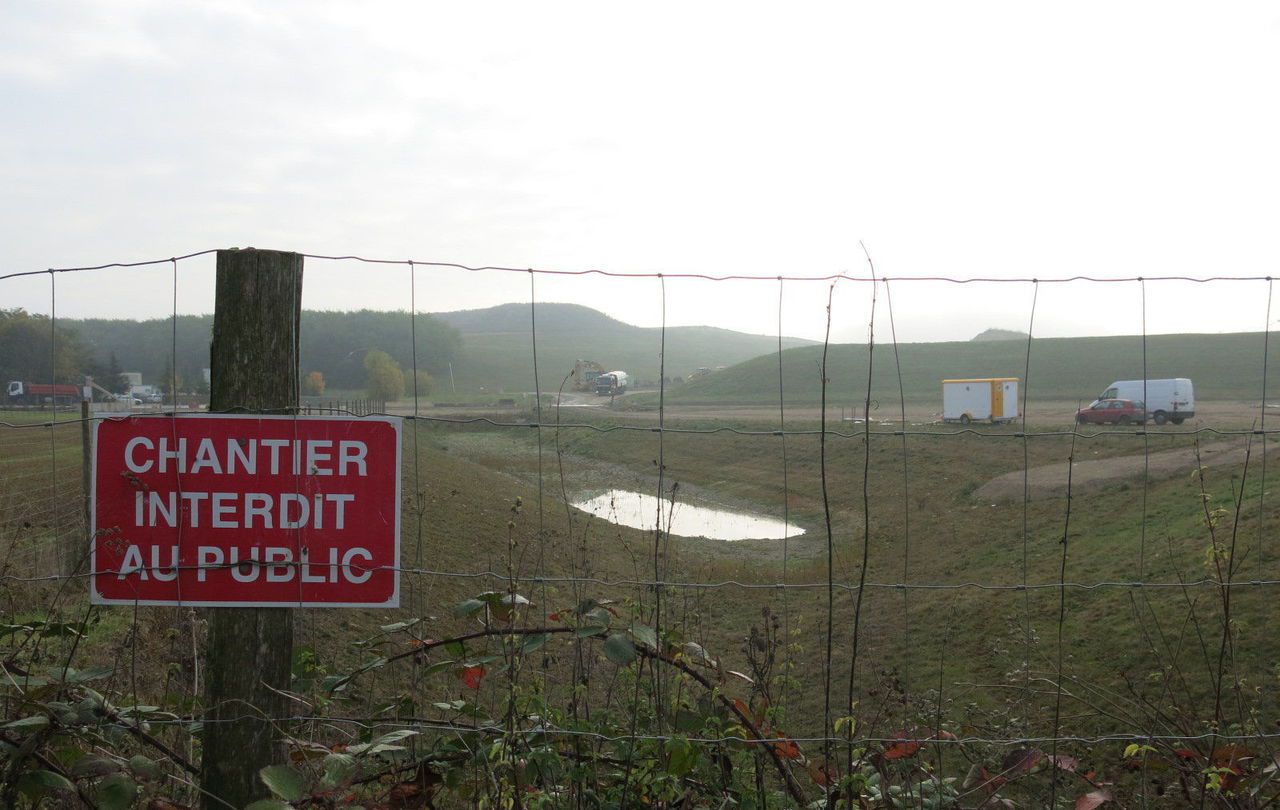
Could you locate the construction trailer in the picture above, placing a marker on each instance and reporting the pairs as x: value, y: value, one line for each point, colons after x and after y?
x: 981, y: 399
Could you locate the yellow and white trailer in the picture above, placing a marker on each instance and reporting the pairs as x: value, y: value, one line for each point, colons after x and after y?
x: 993, y: 399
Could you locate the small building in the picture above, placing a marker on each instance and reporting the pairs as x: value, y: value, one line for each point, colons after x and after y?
x: 993, y: 399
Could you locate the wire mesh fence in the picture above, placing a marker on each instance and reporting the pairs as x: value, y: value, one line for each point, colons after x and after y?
x: 1040, y: 612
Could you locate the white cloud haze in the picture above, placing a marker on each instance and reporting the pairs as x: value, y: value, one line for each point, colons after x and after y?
x: 995, y: 140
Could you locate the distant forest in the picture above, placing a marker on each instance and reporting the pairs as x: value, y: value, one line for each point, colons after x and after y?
x: 489, y: 350
x: 334, y: 343
x: 32, y: 350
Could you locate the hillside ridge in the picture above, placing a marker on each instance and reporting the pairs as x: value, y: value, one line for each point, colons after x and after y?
x: 1222, y: 366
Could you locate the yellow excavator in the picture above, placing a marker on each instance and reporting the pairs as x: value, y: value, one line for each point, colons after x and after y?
x: 584, y: 375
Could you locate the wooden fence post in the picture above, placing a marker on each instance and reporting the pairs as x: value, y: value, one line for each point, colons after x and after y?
x: 248, y: 656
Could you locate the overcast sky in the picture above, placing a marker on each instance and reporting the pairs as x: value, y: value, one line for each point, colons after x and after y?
x: 958, y: 139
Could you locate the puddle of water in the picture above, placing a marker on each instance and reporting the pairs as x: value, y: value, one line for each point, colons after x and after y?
x: 639, y: 511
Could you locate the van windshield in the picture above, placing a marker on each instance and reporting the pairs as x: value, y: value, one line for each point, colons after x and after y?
x: 1110, y: 393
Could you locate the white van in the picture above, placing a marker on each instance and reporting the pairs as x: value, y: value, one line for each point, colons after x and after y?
x: 1172, y: 400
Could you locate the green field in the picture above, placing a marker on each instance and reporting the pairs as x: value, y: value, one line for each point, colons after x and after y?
x: 1134, y: 660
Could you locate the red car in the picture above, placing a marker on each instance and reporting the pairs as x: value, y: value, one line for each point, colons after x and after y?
x: 1118, y: 411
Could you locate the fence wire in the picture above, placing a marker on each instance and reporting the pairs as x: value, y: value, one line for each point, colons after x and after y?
x: 943, y: 652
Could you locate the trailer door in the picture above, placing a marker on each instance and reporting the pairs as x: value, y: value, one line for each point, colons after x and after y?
x: 997, y: 400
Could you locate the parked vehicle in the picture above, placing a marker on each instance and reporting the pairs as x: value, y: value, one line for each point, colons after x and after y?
x: 611, y: 383
x: 30, y: 393
x: 1169, y: 400
x: 984, y: 398
x: 1113, y: 411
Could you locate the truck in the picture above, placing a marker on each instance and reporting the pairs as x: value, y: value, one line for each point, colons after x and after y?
x: 611, y: 383
x: 1168, y: 400
x: 146, y: 393
x: 19, y: 392
x: 993, y: 399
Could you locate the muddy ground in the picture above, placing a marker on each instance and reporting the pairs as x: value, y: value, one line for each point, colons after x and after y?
x: 1093, y: 476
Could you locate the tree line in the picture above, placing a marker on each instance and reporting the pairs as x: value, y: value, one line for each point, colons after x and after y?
x: 346, y: 350
x: 33, y: 348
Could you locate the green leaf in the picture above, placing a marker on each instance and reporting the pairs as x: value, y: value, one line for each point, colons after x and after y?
x: 284, y: 781
x: 36, y: 783
x: 91, y: 674
x: 30, y: 682
x: 13, y: 629
x: 143, y: 767
x: 619, y: 649
x: 439, y: 666
x: 335, y: 683
x: 62, y: 712
x: 468, y: 608
x: 534, y: 642
x: 398, y: 626
x: 116, y: 792
x: 689, y: 721
x: 502, y: 606
x: 30, y: 722
x: 339, y: 770
x: 645, y: 635
x: 92, y: 766
x: 387, y: 742
x: 60, y: 628
x: 697, y: 653
x: 269, y: 804
x: 681, y: 756
x: 591, y: 630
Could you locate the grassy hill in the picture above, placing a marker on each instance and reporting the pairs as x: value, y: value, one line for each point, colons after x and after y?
x: 497, y: 349
x: 1000, y: 334
x: 492, y: 348
x: 488, y: 348
x: 1225, y: 366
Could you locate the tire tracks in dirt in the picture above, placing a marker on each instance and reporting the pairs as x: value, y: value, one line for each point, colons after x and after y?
x: 1050, y: 480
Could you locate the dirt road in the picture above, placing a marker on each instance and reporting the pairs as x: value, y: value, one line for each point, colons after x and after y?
x: 1092, y: 476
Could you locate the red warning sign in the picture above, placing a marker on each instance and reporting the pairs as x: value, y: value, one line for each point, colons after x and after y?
x: 246, y: 510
